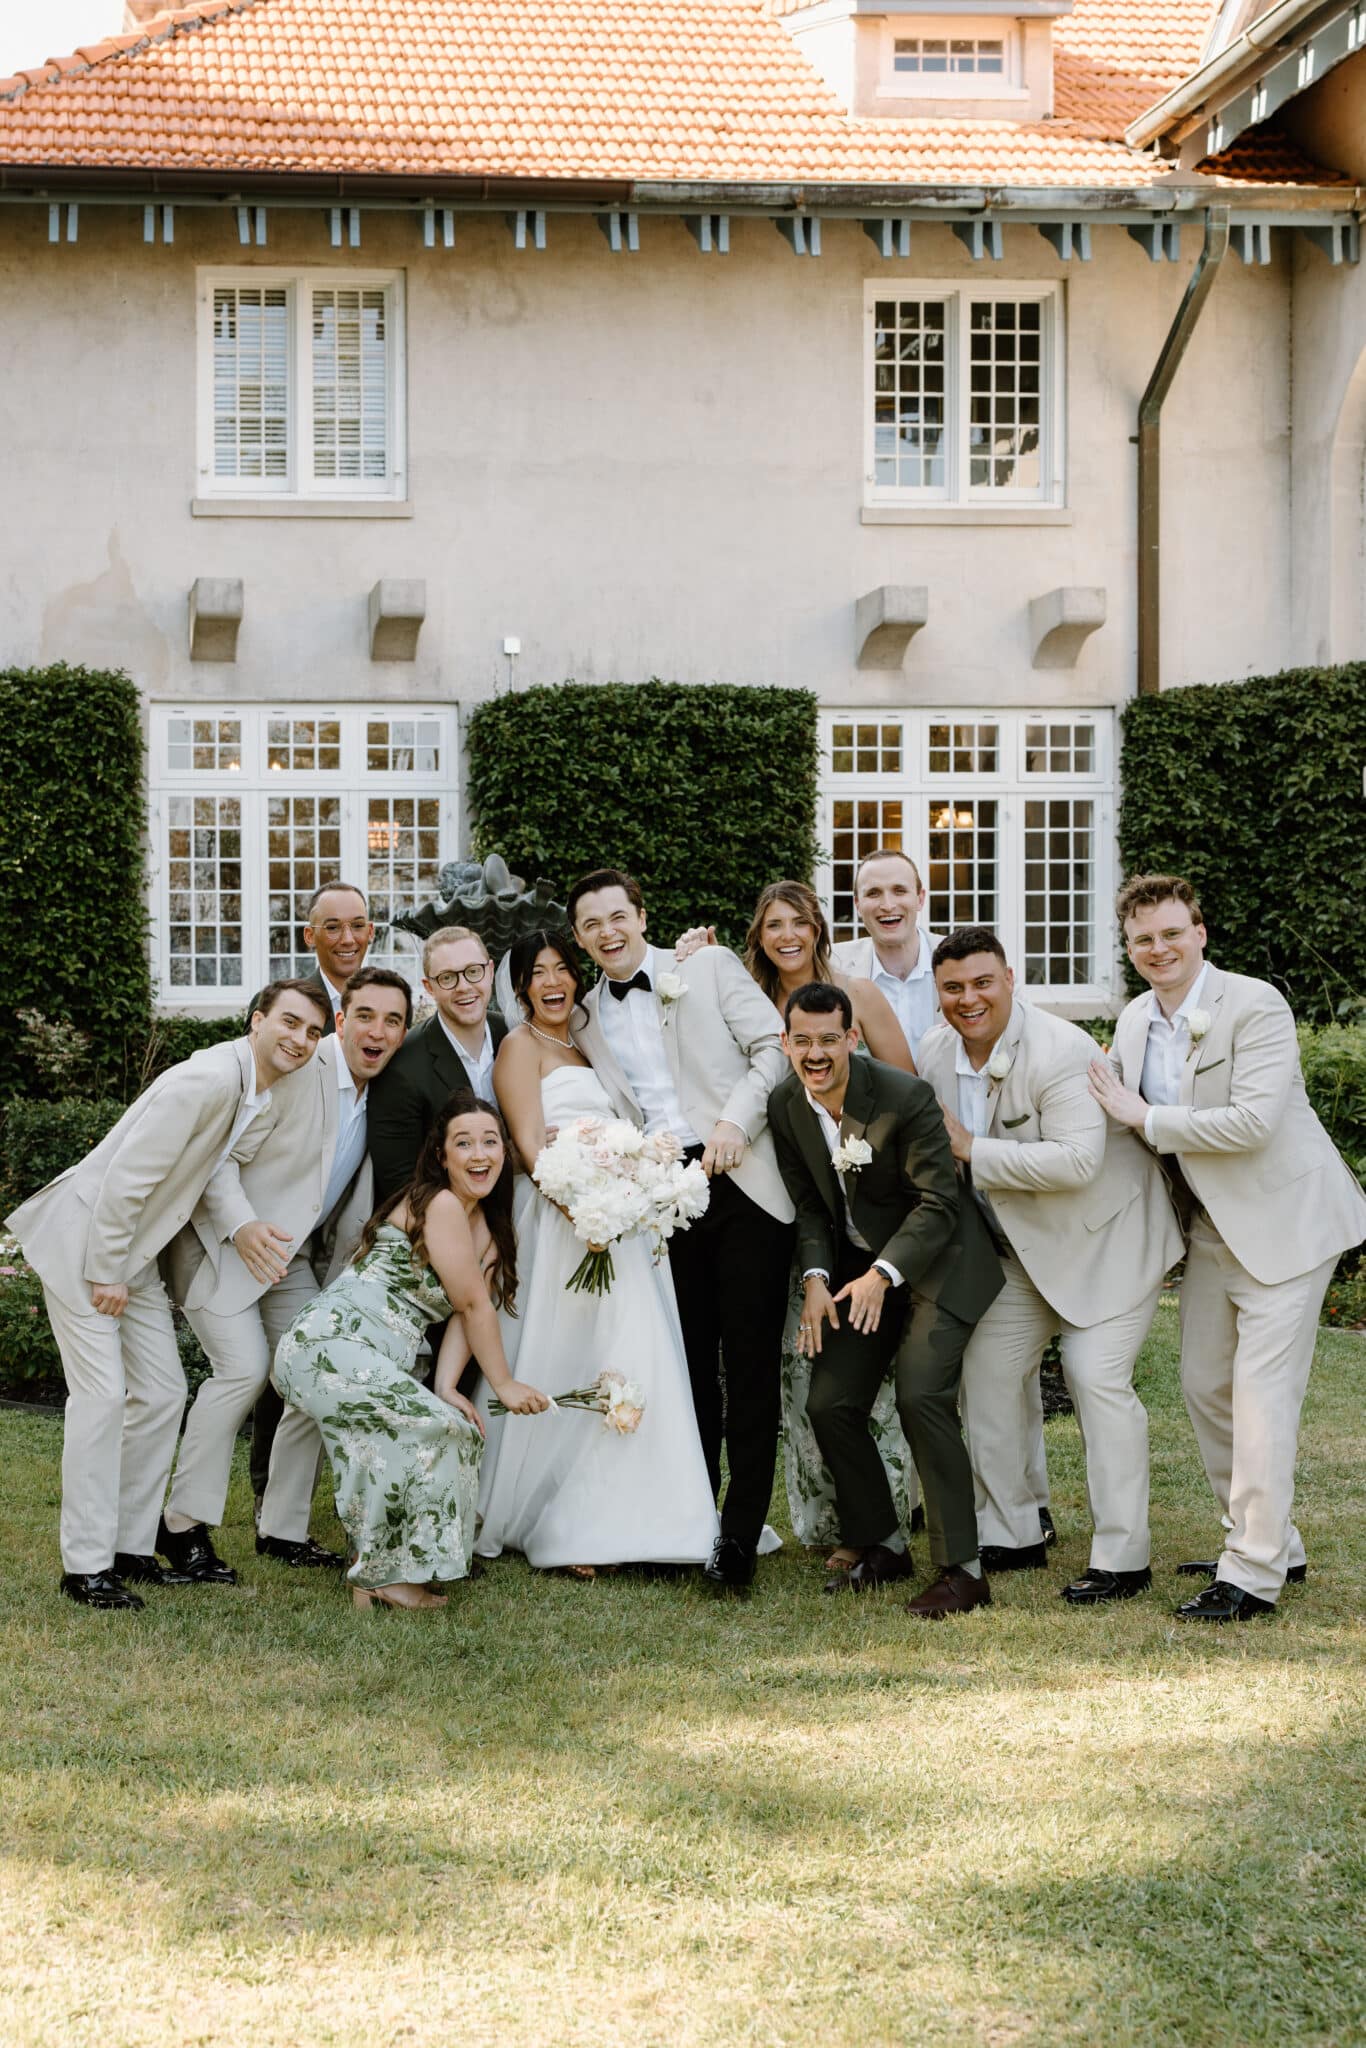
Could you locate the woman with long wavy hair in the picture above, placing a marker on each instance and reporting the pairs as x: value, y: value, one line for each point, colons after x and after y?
x: 406, y: 1461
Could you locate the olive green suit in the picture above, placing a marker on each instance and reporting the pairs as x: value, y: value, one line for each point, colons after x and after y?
x: 908, y: 1204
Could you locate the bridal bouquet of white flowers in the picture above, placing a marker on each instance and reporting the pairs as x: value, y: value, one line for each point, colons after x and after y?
x: 612, y: 1181
x: 619, y: 1401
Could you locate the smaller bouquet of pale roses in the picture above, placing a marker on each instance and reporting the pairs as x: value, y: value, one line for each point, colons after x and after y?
x: 619, y: 1401
x: 612, y: 1181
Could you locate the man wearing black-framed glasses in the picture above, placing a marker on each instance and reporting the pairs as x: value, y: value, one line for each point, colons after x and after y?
x: 454, y: 1049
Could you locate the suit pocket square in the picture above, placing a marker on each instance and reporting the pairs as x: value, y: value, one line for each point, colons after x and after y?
x: 1011, y: 1123
x: 1209, y: 1069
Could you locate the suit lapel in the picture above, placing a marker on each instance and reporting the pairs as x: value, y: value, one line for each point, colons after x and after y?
x: 1212, y: 997
x: 327, y: 1081
x: 448, y: 1069
x: 668, y: 1023
x: 1009, y: 1041
x: 811, y: 1138
x: 1131, y: 1043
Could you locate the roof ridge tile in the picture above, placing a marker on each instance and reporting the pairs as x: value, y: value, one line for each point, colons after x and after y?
x: 86, y: 56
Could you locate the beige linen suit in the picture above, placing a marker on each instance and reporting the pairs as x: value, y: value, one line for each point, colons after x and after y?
x: 104, y: 1222
x: 1092, y: 1231
x: 1277, y: 1205
x: 239, y: 1319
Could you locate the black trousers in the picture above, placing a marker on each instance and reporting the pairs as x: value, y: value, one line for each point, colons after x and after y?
x: 730, y: 1273
x: 923, y: 1344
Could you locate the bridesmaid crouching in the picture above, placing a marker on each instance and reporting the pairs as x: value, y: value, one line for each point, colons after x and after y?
x: 405, y: 1461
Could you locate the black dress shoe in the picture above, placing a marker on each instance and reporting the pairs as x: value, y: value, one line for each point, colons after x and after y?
x: 878, y: 1566
x: 1223, y: 1601
x: 1046, y: 1524
x: 1095, y: 1585
x: 307, y: 1555
x: 191, y: 1552
x: 731, y: 1566
x: 917, y: 1518
x: 145, y: 1571
x: 1031, y: 1557
x: 1206, y: 1567
x: 98, y: 1589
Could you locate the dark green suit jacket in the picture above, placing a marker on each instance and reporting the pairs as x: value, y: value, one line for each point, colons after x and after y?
x: 406, y: 1098
x: 314, y: 980
x: 908, y: 1201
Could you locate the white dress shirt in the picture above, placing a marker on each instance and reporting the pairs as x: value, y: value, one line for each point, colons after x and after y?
x: 351, y: 1131
x: 829, y: 1129
x: 248, y: 1109
x: 915, y: 999
x: 634, y: 1027
x: 1168, y: 1049
x: 974, y: 1113
x: 480, y: 1070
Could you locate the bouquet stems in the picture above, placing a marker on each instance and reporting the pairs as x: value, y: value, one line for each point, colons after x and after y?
x: 594, y: 1274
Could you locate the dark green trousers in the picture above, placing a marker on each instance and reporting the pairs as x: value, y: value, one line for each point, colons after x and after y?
x: 923, y: 1345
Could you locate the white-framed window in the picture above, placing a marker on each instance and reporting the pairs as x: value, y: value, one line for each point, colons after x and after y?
x: 253, y: 807
x: 950, y: 59
x: 964, y: 394
x: 301, y: 383
x: 1009, y: 816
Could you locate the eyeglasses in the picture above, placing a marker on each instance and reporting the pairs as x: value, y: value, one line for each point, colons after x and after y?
x: 473, y: 974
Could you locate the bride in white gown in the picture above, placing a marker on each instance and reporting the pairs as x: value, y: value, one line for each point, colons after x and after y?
x: 568, y: 1492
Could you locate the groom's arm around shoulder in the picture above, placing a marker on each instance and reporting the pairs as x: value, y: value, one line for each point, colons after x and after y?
x: 1259, y: 1056
x: 753, y: 1024
x: 815, y: 1226
x: 927, y: 1173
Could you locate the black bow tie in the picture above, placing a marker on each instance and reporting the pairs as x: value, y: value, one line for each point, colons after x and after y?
x: 622, y: 989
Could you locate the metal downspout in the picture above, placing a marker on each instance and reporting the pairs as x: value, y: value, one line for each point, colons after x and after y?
x: 1149, y: 439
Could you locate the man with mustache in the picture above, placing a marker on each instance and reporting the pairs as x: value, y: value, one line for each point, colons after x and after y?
x: 897, y: 1266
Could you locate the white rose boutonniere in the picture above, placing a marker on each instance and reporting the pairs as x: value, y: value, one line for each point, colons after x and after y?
x: 998, y: 1066
x: 671, y: 989
x: 850, y: 1155
x: 1197, y: 1024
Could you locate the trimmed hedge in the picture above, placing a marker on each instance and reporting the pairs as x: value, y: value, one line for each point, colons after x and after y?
x: 39, y: 1140
x: 1253, y: 791
x: 1334, y: 1063
x: 705, y: 792
x: 72, y: 916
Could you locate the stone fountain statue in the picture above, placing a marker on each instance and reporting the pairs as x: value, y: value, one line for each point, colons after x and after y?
x: 488, y: 899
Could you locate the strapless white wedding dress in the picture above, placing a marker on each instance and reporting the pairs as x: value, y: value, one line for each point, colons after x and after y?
x: 559, y: 1487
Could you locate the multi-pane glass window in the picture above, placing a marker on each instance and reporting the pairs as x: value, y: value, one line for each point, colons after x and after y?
x: 253, y: 809
x: 301, y: 384
x: 949, y: 56
x: 965, y: 395
x: 1007, y: 814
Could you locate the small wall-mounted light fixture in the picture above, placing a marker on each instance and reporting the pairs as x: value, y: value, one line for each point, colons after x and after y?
x: 512, y: 647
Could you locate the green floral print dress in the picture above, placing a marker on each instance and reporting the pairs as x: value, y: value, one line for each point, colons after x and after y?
x: 406, y: 1466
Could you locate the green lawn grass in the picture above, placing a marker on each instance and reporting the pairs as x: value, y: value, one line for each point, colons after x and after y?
x: 627, y: 1812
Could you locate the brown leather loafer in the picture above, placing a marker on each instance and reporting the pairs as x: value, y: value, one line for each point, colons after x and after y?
x: 878, y: 1566
x: 953, y: 1592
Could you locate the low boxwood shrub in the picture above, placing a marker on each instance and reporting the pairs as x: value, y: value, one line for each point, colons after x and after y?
x: 1253, y: 791
x: 705, y: 792
x: 1333, y: 1058
x: 30, y: 1363
x: 39, y: 1140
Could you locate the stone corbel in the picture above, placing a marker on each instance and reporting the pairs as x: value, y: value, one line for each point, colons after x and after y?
x: 398, y: 605
x: 215, y: 615
x: 1061, y: 620
x: 885, y: 620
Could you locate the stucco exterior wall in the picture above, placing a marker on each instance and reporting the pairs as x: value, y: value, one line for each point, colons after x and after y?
x: 637, y: 465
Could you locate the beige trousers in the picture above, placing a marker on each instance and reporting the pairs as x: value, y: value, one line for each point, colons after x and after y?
x: 1246, y: 1350
x: 240, y: 1347
x: 125, y: 1398
x: 1000, y: 1400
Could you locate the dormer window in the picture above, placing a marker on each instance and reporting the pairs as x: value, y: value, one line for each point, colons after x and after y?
x: 941, y: 59
x: 924, y: 57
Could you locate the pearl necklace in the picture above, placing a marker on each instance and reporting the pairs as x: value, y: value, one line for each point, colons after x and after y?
x: 547, y: 1039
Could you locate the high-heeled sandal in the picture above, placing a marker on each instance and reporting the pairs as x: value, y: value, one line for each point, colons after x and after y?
x: 382, y: 1597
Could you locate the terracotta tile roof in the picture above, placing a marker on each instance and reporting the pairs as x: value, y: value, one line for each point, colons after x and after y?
x: 573, y: 89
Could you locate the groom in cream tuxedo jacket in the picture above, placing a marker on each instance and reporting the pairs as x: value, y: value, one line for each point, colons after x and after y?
x: 695, y: 1049
x: 267, y: 1234
x: 1206, y: 1067
x: 1087, y: 1230
x: 93, y: 1236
